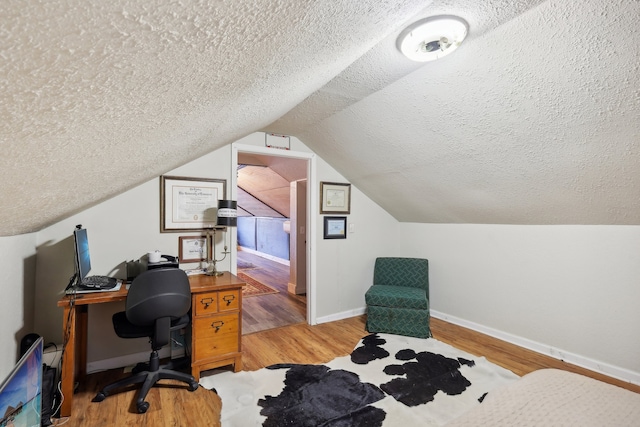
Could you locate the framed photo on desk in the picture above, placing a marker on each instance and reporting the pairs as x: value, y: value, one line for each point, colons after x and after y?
x: 189, y: 204
x: 193, y: 248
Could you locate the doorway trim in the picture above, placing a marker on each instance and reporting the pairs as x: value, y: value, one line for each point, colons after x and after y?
x: 312, y: 207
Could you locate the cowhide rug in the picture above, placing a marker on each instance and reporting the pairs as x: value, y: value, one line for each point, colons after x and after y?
x: 388, y: 380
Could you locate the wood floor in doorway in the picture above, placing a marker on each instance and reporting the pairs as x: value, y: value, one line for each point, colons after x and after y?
x: 264, y: 312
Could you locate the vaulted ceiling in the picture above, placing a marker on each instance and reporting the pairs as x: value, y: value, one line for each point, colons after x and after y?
x: 533, y: 120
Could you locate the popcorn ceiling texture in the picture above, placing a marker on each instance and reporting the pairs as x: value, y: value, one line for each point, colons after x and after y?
x: 98, y: 97
x: 534, y: 120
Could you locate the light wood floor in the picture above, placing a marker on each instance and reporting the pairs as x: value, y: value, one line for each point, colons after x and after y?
x: 274, y: 310
x: 172, y: 405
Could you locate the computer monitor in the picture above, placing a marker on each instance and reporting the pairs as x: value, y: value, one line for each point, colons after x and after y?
x: 83, y: 259
x: 21, y: 391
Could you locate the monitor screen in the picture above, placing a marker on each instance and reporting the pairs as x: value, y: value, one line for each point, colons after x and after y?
x: 21, y: 391
x: 83, y: 260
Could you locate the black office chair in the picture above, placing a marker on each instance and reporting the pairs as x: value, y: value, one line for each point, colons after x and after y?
x: 158, y: 302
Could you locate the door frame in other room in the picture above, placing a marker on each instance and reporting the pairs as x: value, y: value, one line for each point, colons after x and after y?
x: 312, y: 206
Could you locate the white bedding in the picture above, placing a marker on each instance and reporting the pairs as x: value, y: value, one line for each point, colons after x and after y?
x: 551, y: 397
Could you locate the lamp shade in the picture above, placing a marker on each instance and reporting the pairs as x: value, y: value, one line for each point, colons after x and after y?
x: 228, y: 213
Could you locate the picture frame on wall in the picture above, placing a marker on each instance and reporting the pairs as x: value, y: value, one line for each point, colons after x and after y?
x: 335, y: 198
x: 193, y: 248
x: 335, y: 227
x: 189, y: 204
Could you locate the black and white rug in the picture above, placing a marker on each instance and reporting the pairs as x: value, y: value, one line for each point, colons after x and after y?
x: 388, y: 380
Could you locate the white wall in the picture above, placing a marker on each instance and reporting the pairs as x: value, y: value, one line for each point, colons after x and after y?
x: 127, y: 227
x: 123, y: 228
x: 570, y: 291
x: 17, y: 281
x: 344, y: 268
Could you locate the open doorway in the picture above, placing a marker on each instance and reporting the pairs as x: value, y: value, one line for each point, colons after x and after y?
x: 271, y: 191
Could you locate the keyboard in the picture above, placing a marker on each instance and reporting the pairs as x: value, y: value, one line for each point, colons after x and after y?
x: 98, y: 283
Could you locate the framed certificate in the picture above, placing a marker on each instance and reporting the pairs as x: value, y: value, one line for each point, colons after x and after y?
x: 335, y: 198
x: 188, y: 204
x: 193, y: 248
x: 335, y: 227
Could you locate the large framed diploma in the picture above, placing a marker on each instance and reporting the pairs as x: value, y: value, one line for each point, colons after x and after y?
x: 335, y: 198
x: 188, y: 204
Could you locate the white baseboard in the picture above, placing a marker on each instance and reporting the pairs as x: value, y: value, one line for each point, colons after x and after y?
x: 130, y: 360
x: 266, y: 256
x: 340, y: 316
x: 121, y: 361
x: 575, y: 359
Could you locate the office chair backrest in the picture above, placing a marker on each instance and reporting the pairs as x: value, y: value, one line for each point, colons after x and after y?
x: 157, y: 293
x: 412, y: 272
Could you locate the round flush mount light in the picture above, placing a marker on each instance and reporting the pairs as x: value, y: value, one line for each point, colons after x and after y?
x: 432, y: 38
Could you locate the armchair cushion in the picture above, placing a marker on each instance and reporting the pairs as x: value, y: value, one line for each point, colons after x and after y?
x: 397, y: 296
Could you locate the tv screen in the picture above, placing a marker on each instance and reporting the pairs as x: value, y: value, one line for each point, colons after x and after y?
x: 21, y: 391
x: 83, y: 259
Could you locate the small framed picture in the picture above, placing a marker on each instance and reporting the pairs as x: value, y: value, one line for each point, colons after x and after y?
x: 335, y: 227
x: 193, y: 248
x: 335, y: 198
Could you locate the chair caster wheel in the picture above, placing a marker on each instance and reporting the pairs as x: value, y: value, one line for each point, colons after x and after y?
x: 99, y: 397
x: 193, y: 386
x: 142, y: 407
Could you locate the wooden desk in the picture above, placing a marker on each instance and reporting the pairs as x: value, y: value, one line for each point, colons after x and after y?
x: 216, y: 328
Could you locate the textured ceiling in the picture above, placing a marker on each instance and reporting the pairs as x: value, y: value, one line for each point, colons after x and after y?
x: 262, y: 192
x: 534, y: 120
x: 100, y: 96
x: 264, y: 184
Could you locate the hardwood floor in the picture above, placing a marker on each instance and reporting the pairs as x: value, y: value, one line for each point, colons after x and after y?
x: 173, y: 405
x: 264, y: 312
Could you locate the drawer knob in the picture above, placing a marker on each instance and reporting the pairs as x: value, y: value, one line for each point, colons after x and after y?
x: 217, y: 325
x: 207, y: 302
x: 229, y: 298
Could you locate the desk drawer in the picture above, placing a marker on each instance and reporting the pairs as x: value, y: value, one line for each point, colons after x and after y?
x: 213, y: 302
x: 215, y: 336
x: 228, y: 300
x: 205, y: 303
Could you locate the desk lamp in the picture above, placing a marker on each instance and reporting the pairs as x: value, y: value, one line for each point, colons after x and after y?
x: 227, y: 217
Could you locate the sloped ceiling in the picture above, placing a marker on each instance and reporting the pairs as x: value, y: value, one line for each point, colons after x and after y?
x: 264, y: 184
x: 534, y: 120
x: 262, y: 192
x: 249, y: 205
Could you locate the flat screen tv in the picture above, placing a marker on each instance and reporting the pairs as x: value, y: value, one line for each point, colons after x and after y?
x: 21, y: 391
x: 82, y: 257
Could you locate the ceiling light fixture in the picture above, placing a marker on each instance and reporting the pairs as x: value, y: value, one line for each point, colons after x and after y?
x: 432, y: 38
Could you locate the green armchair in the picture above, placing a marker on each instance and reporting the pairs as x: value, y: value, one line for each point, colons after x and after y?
x: 398, y: 300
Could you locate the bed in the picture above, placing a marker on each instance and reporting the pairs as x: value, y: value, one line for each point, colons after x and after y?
x: 552, y: 397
